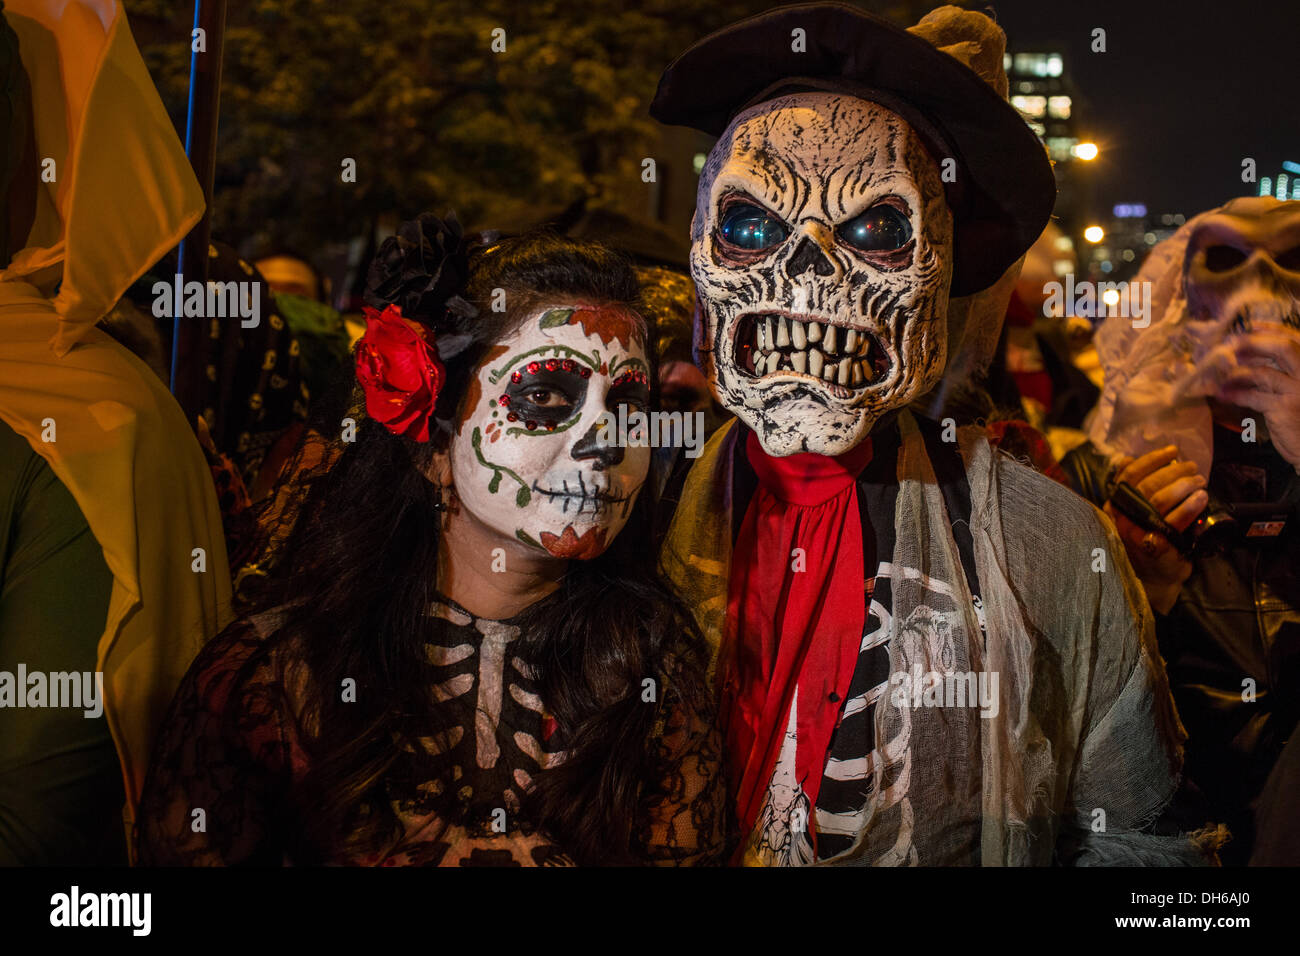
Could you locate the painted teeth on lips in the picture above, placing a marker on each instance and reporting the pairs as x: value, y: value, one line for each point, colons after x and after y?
x: 768, y: 343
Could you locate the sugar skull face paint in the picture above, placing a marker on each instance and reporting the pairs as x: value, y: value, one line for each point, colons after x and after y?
x: 822, y: 254
x: 528, y: 459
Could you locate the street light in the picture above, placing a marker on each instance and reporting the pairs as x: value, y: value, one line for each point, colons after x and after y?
x: 1094, y: 234
x: 1086, y: 151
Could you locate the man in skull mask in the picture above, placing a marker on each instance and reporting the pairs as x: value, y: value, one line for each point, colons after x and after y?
x: 1216, y: 372
x: 992, y: 695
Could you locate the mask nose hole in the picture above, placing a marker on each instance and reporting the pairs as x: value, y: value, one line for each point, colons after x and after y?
x: 809, y: 255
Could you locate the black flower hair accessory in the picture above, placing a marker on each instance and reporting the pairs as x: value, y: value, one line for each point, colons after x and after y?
x: 422, y: 270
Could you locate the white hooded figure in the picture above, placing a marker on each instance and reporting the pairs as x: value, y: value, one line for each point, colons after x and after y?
x: 858, y: 229
x: 1224, y: 288
x: 1214, y: 379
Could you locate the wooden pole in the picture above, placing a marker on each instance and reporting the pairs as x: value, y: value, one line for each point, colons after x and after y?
x: 189, y: 336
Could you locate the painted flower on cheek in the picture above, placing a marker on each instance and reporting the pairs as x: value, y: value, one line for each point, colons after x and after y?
x: 399, y: 370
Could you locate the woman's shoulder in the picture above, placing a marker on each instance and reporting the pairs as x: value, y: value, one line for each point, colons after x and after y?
x: 255, y: 651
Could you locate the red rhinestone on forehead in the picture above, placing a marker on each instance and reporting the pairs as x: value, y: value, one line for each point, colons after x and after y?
x: 570, y: 365
x: 530, y: 425
x: 552, y: 365
x: 534, y: 368
x: 585, y: 372
x: 517, y: 377
x: 503, y: 400
x: 512, y: 417
x: 550, y: 426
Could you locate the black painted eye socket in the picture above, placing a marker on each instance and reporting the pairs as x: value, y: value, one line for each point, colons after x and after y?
x: 751, y: 227
x: 1290, y: 260
x: 882, y: 228
x: 1222, y: 258
x: 545, y: 394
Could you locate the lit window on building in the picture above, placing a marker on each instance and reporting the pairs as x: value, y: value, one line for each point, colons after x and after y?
x: 1149, y: 238
x: 1054, y: 65
x: 1266, y: 186
x: 1295, y: 189
x: 1006, y: 62
x: 1039, y: 129
x: 1058, y: 107
x: 1033, y: 106
x: 1034, y: 64
x: 1061, y: 147
x: 1128, y: 255
x: 1281, y: 185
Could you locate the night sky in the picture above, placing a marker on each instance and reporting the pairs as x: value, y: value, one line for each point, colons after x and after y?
x: 1185, y: 91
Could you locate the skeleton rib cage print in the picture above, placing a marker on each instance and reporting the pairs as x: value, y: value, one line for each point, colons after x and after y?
x: 867, y: 783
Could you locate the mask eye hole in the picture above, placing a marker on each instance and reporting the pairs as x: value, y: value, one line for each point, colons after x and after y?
x: 882, y: 228
x: 1221, y: 258
x: 751, y: 228
x: 1290, y: 260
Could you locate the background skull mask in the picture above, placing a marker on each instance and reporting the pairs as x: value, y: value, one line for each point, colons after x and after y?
x: 822, y: 252
x: 1241, y: 276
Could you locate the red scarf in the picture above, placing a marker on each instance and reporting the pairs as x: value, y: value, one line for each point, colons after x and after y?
x: 794, y: 618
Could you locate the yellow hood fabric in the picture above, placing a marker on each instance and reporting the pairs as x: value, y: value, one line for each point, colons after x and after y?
x: 123, y: 194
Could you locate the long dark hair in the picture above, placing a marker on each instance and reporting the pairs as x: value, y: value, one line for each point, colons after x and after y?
x: 356, y: 575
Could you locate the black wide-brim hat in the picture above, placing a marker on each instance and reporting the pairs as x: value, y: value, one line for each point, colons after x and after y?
x: 1004, y: 190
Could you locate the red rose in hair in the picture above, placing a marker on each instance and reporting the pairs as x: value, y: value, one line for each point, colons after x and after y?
x: 399, y: 369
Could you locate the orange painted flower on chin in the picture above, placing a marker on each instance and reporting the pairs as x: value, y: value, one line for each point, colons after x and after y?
x: 570, y: 545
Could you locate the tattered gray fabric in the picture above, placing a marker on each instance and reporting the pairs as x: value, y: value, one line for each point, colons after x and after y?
x: 1085, y: 747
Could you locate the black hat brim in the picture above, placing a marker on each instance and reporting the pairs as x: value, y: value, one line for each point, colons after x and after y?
x: 1004, y: 191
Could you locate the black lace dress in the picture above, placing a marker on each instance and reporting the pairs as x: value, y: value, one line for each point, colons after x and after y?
x: 236, y: 742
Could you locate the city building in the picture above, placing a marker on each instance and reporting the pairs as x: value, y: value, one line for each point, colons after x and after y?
x: 1285, y: 185
x: 1041, y: 90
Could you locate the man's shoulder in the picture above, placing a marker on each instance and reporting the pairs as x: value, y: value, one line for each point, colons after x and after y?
x: 1028, y: 496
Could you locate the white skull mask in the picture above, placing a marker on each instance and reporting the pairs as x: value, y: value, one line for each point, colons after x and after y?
x: 1241, y: 273
x: 822, y: 253
x: 529, y: 459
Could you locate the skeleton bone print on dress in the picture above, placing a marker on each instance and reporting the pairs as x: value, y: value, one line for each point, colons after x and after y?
x: 822, y: 252
x: 477, y: 753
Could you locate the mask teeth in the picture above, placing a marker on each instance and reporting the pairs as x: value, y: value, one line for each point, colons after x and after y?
x: 833, y: 354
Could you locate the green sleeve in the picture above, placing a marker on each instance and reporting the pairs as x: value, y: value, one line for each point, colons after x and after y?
x: 61, y: 790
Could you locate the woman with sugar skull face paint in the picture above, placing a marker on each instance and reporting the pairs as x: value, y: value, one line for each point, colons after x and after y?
x: 466, y: 656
